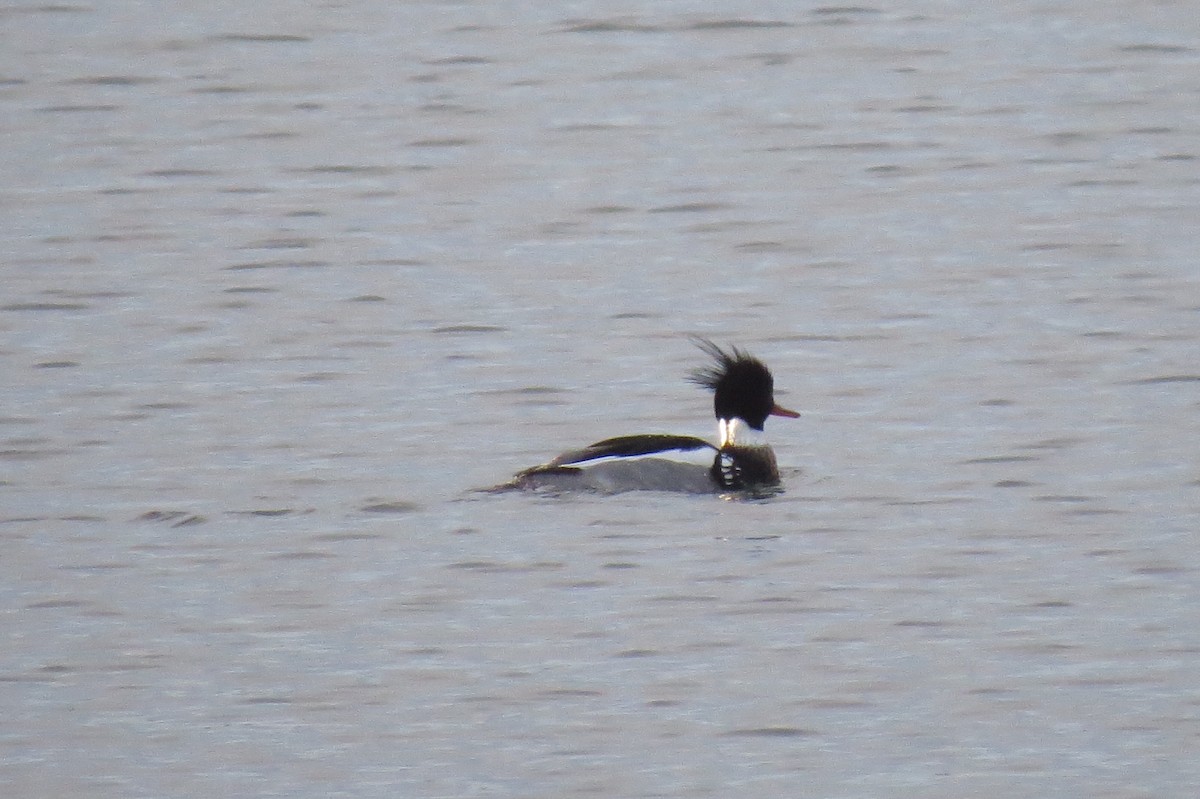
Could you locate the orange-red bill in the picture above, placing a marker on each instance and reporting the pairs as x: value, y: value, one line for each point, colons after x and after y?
x: 781, y: 411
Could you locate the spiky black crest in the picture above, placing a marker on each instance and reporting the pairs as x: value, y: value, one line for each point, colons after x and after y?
x: 742, y: 385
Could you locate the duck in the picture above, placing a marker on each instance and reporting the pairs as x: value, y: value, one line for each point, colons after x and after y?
x: 743, y: 391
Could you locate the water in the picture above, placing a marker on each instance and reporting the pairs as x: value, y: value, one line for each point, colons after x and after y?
x: 283, y: 285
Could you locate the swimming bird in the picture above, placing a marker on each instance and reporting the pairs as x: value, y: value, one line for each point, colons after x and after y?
x: 743, y: 397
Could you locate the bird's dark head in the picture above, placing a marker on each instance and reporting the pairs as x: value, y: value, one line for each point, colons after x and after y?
x: 742, y: 385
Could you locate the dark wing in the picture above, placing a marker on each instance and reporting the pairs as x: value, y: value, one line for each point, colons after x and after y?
x: 631, y: 446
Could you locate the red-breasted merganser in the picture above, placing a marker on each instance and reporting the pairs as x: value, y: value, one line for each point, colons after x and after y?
x: 743, y: 398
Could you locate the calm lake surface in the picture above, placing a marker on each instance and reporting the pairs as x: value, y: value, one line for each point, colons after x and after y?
x: 285, y: 284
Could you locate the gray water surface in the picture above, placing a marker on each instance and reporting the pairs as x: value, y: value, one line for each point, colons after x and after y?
x: 285, y: 284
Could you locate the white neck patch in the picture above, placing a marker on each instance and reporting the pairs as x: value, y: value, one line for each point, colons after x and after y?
x: 735, y: 432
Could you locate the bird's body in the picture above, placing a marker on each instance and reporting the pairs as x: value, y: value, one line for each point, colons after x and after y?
x: 743, y: 398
